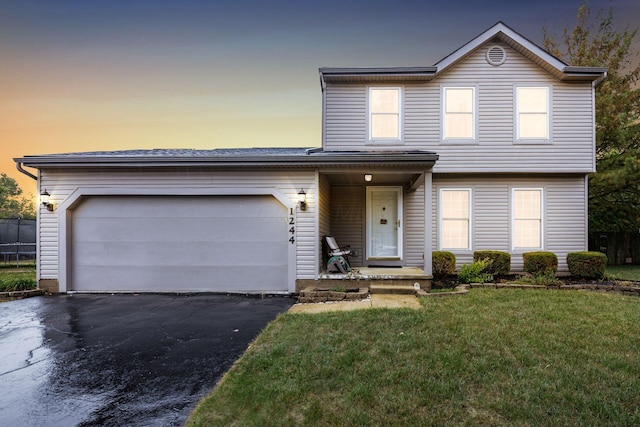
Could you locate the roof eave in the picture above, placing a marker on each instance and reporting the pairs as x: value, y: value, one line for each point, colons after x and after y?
x: 583, y: 73
x: 334, y: 75
x: 310, y: 161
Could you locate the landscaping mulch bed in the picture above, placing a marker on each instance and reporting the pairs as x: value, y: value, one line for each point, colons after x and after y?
x: 627, y: 287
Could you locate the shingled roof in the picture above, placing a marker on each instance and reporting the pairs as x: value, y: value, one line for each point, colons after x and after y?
x: 232, y: 157
x: 183, y: 152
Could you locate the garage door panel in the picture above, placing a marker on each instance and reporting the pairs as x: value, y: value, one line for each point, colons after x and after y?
x: 170, y: 229
x: 173, y: 244
x: 197, y: 253
x: 194, y: 207
x: 168, y: 279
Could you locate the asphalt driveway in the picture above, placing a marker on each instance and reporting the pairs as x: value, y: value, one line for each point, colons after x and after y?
x: 112, y: 360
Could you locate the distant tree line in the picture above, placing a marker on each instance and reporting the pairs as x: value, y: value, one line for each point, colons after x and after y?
x: 614, y: 190
x: 12, y: 203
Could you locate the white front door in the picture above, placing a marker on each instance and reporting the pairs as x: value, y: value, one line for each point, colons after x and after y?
x: 384, y: 223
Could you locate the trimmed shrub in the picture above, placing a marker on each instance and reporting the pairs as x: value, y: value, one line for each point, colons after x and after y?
x: 17, y: 284
x: 475, y: 272
x: 499, y: 263
x: 540, y: 263
x: 444, y: 263
x: 587, y: 264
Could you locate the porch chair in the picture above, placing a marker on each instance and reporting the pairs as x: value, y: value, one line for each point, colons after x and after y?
x: 338, y: 256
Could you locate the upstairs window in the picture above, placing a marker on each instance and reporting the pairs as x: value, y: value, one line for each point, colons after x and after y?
x: 384, y: 113
x: 455, y: 219
x: 527, y: 218
x: 532, y: 113
x: 458, y: 113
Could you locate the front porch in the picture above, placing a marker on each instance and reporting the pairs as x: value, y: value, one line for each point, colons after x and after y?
x: 383, y: 217
x: 379, y: 206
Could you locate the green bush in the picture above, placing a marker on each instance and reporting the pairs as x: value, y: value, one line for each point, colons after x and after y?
x: 540, y: 263
x: 475, y: 272
x: 17, y: 284
x: 587, y: 264
x: 444, y: 263
x: 499, y: 263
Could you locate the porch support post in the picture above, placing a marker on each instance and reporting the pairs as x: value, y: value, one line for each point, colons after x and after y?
x: 428, y: 223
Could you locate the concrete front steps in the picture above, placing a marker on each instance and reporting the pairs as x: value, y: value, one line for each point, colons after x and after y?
x: 393, y: 288
x: 362, y: 282
x: 336, y: 293
x: 379, y: 279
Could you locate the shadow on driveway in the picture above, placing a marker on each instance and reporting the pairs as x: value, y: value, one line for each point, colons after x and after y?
x: 109, y: 360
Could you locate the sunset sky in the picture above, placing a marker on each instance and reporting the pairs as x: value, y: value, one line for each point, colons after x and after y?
x: 88, y: 75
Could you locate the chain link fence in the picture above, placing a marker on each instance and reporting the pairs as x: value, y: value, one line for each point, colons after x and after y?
x: 17, y: 240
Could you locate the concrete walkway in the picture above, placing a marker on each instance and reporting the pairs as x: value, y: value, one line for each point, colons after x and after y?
x: 374, y: 301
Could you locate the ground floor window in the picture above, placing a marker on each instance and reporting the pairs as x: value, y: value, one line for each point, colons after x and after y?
x: 455, y: 218
x: 527, y: 218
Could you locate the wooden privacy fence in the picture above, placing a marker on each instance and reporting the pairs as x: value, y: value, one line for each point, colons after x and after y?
x: 620, y: 248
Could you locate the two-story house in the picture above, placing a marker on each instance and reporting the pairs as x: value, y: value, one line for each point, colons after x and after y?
x: 490, y: 148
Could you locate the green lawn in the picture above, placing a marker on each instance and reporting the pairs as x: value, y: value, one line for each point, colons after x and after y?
x: 624, y: 272
x: 491, y: 357
x: 17, y: 279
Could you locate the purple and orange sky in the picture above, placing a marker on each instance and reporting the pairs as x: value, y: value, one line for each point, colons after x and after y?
x: 85, y: 75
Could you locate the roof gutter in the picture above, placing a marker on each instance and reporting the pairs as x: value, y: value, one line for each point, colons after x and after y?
x: 26, y: 172
x: 599, y: 81
x: 310, y: 159
x: 372, y: 71
x: 328, y: 74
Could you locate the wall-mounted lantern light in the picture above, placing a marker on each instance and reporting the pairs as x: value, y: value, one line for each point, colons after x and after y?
x: 368, y: 177
x: 45, y: 199
x: 302, y: 198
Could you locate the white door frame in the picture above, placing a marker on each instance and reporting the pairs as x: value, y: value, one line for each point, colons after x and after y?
x: 369, y: 222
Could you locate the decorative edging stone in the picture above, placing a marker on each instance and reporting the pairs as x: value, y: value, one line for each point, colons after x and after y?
x: 506, y: 286
x: 312, y: 295
x: 625, y: 290
x: 458, y: 290
x: 21, y: 294
x: 463, y: 289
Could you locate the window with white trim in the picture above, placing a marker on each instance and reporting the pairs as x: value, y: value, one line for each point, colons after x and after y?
x: 455, y: 219
x: 458, y: 119
x: 532, y: 113
x: 527, y: 218
x: 384, y: 113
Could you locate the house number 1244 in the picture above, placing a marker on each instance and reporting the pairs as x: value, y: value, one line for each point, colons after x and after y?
x: 292, y: 230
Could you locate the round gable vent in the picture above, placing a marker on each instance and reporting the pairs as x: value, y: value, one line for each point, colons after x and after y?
x: 496, y: 55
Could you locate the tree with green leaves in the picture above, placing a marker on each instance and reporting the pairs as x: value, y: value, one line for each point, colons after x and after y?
x: 11, y: 204
x: 614, y: 190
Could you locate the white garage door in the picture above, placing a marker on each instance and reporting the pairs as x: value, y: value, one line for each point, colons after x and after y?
x: 177, y: 244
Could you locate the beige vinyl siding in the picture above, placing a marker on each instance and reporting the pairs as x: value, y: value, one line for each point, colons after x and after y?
x: 347, y: 219
x: 346, y: 116
x: 564, y: 223
x: 61, y: 184
x: 565, y: 216
x: 414, y: 228
x: 48, y: 229
x: 571, y: 148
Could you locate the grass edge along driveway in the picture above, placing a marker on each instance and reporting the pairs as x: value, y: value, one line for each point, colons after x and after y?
x: 491, y: 357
